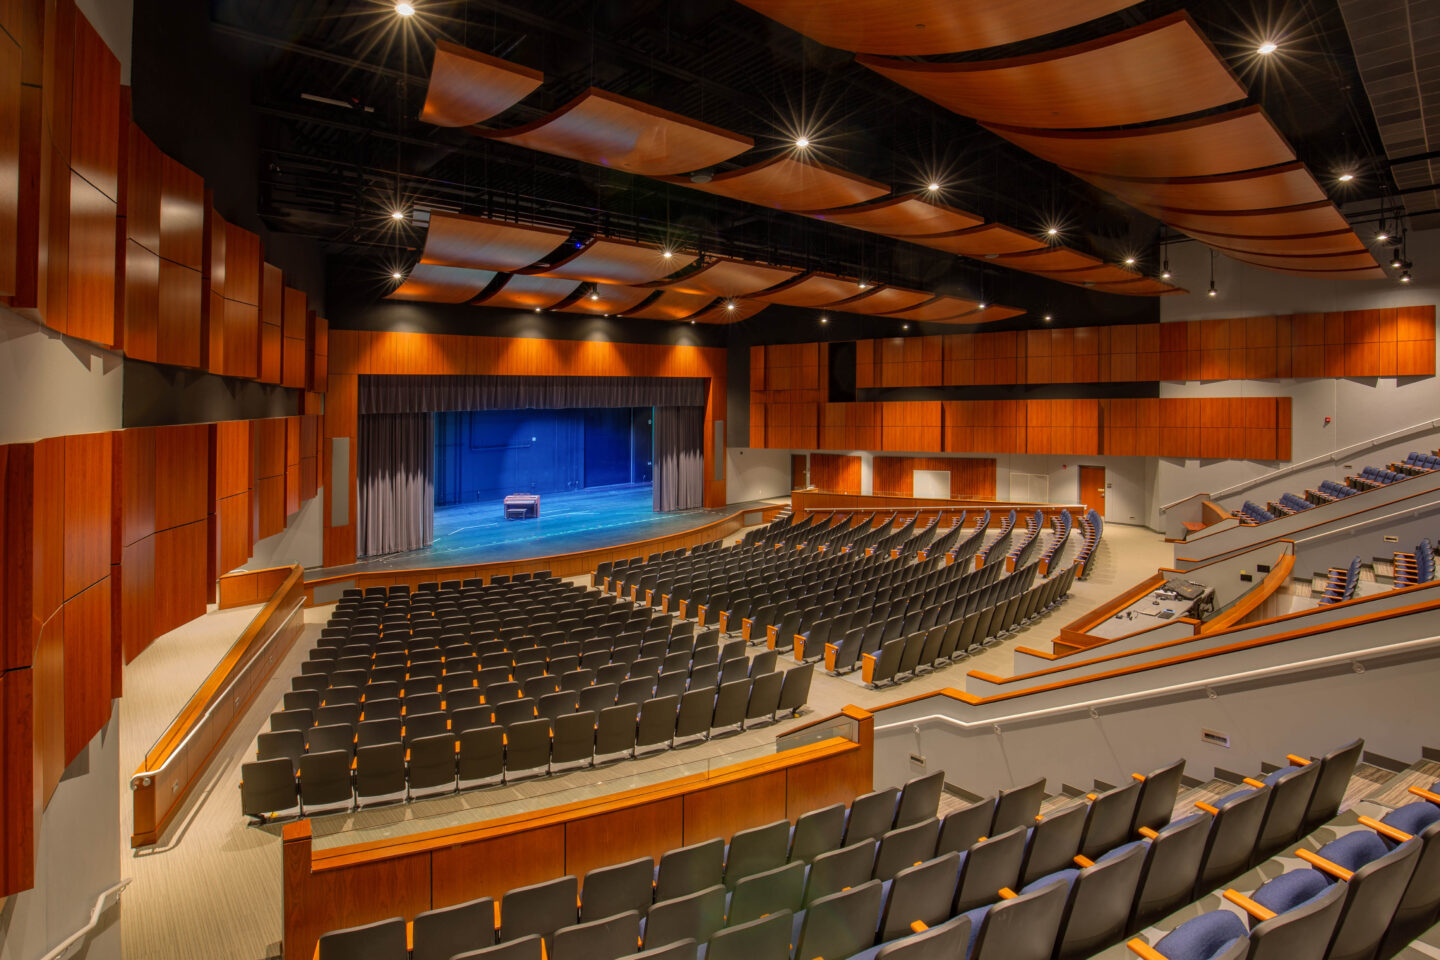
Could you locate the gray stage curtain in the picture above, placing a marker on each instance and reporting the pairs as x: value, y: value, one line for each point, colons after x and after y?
x: 396, y: 478
x: 433, y: 394
x: 679, y: 477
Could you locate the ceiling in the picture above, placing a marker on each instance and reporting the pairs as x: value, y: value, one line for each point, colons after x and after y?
x: 338, y: 88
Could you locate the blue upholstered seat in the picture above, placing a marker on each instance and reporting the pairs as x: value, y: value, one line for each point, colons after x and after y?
x: 1203, y: 937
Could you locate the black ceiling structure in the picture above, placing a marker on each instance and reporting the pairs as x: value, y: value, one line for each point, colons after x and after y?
x: 328, y: 93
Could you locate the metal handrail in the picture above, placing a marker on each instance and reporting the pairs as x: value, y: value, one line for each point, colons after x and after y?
x: 70, y: 944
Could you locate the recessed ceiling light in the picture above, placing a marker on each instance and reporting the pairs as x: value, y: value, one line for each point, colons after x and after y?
x: 730, y: 305
x: 667, y: 254
x: 397, y: 214
x: 1129, y: 261
x: 1345, y: 177
x: 537, y: 309
x: 396, y: 275
x: 983, y: 305
x: 863, y: 285
x: 802, y: 142
x: 1266, y: 48
x: 933, y: 187
x: 904, y: 326
x: 1048, y: 318
x: 824, y: 319
x: 1053, y: 232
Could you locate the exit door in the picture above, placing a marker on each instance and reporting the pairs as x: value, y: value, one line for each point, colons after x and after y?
x: 1092, y: 489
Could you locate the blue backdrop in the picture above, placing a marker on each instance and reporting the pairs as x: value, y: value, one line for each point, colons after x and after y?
x: 487, y: 454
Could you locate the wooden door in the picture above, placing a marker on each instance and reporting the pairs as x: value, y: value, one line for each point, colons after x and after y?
x: 1092, y: 489
x: 798, y: 470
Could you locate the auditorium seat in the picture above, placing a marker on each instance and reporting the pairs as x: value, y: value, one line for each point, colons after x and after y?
x: 606, y: 939
x: 687, y: 916
x: 442, y: 933
x: 832, y: 872
x: 1020, y: 926
x: 525, y: 948
x: 382, y: 940
x: 779, y: 888
x: 267, y: 787
x: 764, y: 938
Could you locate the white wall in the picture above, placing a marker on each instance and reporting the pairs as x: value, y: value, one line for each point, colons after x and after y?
x: 1359, y: 408
x: 51, y: 385
x: 77, y: 857
x: 753, y: 474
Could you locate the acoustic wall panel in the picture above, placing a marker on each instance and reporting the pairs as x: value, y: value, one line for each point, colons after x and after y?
x: 133, y: 582
x: 182, y: 459
x: 834, y: 473
x: 970, y: 478
x: 87, y: 520
x: 178, y: 325
x: 181, y: 575
x: 90, y: 261
x: 17, y: 765
x: 467, y: 87
x: 87, y: 651
x: 10, y: 129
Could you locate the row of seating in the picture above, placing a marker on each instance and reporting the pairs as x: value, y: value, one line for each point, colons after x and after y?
x: 1000, y: 545
x: 1370, y: 890
x: 1416, y: 463
x: 1054, y: 551
x: 338, y: 766
x: 1092, y: 527
x: 824, y: 848
x: 1328, y: 491
x: 945, y: 643
x: 1340, y: 583
x: 1417, y: 567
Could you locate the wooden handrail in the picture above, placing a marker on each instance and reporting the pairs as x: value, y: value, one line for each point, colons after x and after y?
x: 559, y: 564
x: 1264, y: 590
x: 180, y: 754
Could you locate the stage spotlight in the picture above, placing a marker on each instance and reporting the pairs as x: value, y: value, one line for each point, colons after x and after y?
x: 1382, y: 236
x: 982, y: 305
x: 1212, y: 291
x: 863, y: 285
x: 1266, y: 48
x: 1395, y: 261
x: 405, y: 9
x: 594, y: 295
x: 537, y: 309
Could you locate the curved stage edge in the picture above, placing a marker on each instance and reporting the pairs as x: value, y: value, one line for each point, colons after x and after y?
x: 321, y: 587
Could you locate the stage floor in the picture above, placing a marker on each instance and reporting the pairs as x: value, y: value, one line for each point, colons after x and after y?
x: 568, y: 522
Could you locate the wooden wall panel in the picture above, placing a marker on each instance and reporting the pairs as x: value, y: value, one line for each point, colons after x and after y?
x: 48, y: 529
x: 17, y: 573
x: 292, y: 465
x: 721, y: 811
x: 90, y: 295
x: 133, y: 590
x: 48, y: 678
x: 17, y: 766
x: 182, y: 475
x: 269, y: 506
x: 910, y: 425
x: 178, y: 325
x: 834, y: 473
x: 970, y: 478
x: 234, y: 455
x: 234, y: 532
x: 87, y: 518
x: 10, y: 136
x: 95, y: 117
x: 87, y: 672
x: 134, y: 487
x: 181, y: 573
x: 137, y: 329
x: 182, y: 215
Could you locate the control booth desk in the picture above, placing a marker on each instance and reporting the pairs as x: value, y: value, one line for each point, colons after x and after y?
x: 1177, y: 598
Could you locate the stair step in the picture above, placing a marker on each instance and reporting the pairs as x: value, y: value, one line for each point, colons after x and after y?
x: 1394, y: 791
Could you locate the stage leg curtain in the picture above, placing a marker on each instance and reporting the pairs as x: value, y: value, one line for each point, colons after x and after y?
x: 679, y: 477
x: 396, y: 478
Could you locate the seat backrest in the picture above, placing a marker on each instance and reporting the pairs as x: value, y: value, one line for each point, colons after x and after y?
x: 442, y: 933
x: 782, y: 888
x: 615, y: 889
x: 871, y: 815
x: 756, y: 850
x: 382, y: 940
x: 817, y: 832
x: 943, y: 942
x: 1290, y: 792
x: 540, y: 908
x: 267, y: 786
x: 1336, y: 768
x: 1172, y: 860
x: 1053, y: 842
x: 685, y: 870
x: 765, y: 938
x: 1304, y: 931
x: 698, y: 915
x: 990, y: 864
x: 1375, y: 890
x: 1017, y: 806
x: 1232, y: 838
x: 905, y: 846
x: 1024, y: 927
x: 525, y: 948
x: 1108, y: 822
x: 841, y: 924
x: 920, y: 799
x: 1100, y: 900
x: 923, y: 892
x: 961, y: 828
x: 606, y: 939
x: 1157, y: 796
x: 846, y: 867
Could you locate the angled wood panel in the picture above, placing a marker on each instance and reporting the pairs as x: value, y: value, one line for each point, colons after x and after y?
x: 521, y: 292
x: 95, y: 116
x: 1240, y: 139
x: 91, y: 263
x: 1050, y: 259
x: 1304, y: 219
x: 467, y: 86
x: 929, y: 26
x: 242, y: 265
x: 619, y: 261
x: 139, y: 330
x: 181, y: 571
x: 1355, y: 260
x: 88, y: 522
x: 811, y: 290
x: 723, y: 277
x: 177, y: 338
x: 883, y: 300
x: 989, y: 240
x: 182, y: 462
x: 133, y: 498
x: 10, y: 139
x: 937, y: 310
x: 431, y: 283
x: 86, y: 632
x: 672, y: 305
x: 182, y: 214
x: 1156, y: 70
x: 607, y: 299
x: 729, y: 311
x: 908, y: 216
x: 786, y: 182
x: 134, y: 592
x: 614, y: 131
x: 17, y: 785
x: 1333, y: 242
x: 457, y: 240
x: 1282, y: 185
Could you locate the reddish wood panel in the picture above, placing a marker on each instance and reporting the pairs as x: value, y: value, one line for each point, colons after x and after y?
x: 181, y: 571
x: 242, y: 340
x: 483, y: 868
x: 95, y: 116
x: 17, y: 573
x: 270, y: 436
x: 234, y: 457
x: 17, y: 763
x: 269, y: 506
x: 834, y: 473
x: 182, y: 474
x: 182, y: 215
x: 133, y: 592
x: 10, y: 140
x: 90, y: 261
x: 144, y: 172
x: 234, y: 533
x: 87, y: 667
x: 48, y: 680
x: 320, y: 361
x: 721, y: 811
x: 87, y: 520
x: 271, y: 345
x: 48, y: 529
x: 969, y: 478
x: 134, y: 487
x: 910, y: 425
x: 242, y: 265
x: 292, y: 465
x: 178, y: 322
x: 139, y: 312
x: 293, y: 317
x: 292, y: 363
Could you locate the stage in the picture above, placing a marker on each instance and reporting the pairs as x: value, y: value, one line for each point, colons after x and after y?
x: 569, y: 522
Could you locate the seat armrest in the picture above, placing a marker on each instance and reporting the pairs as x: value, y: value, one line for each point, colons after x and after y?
x: 1385, y: 830
x: 1148, y: 833
x: 918, y: 926
x: 1424, y: 794
x: 1248, y: 905
x: 1143, y: 950
x: 1208, y: 808
x: 1325, y: 866
x: 1295, y: 761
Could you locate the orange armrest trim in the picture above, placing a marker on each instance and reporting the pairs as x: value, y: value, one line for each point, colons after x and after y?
x: 1138, y: 777
x: 1006, y: 893
x: 1257, y: 784
x: 1384, y: 829
x: 1249, y: 906
x: 1424, y: 794
x: 1208, y: 808
x: 918, y: 926
x: 1320, y: 863
x: 1148, y: 833
x: 1143, y: 950
x: 1295, y: 761
x: 1082, y: 861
